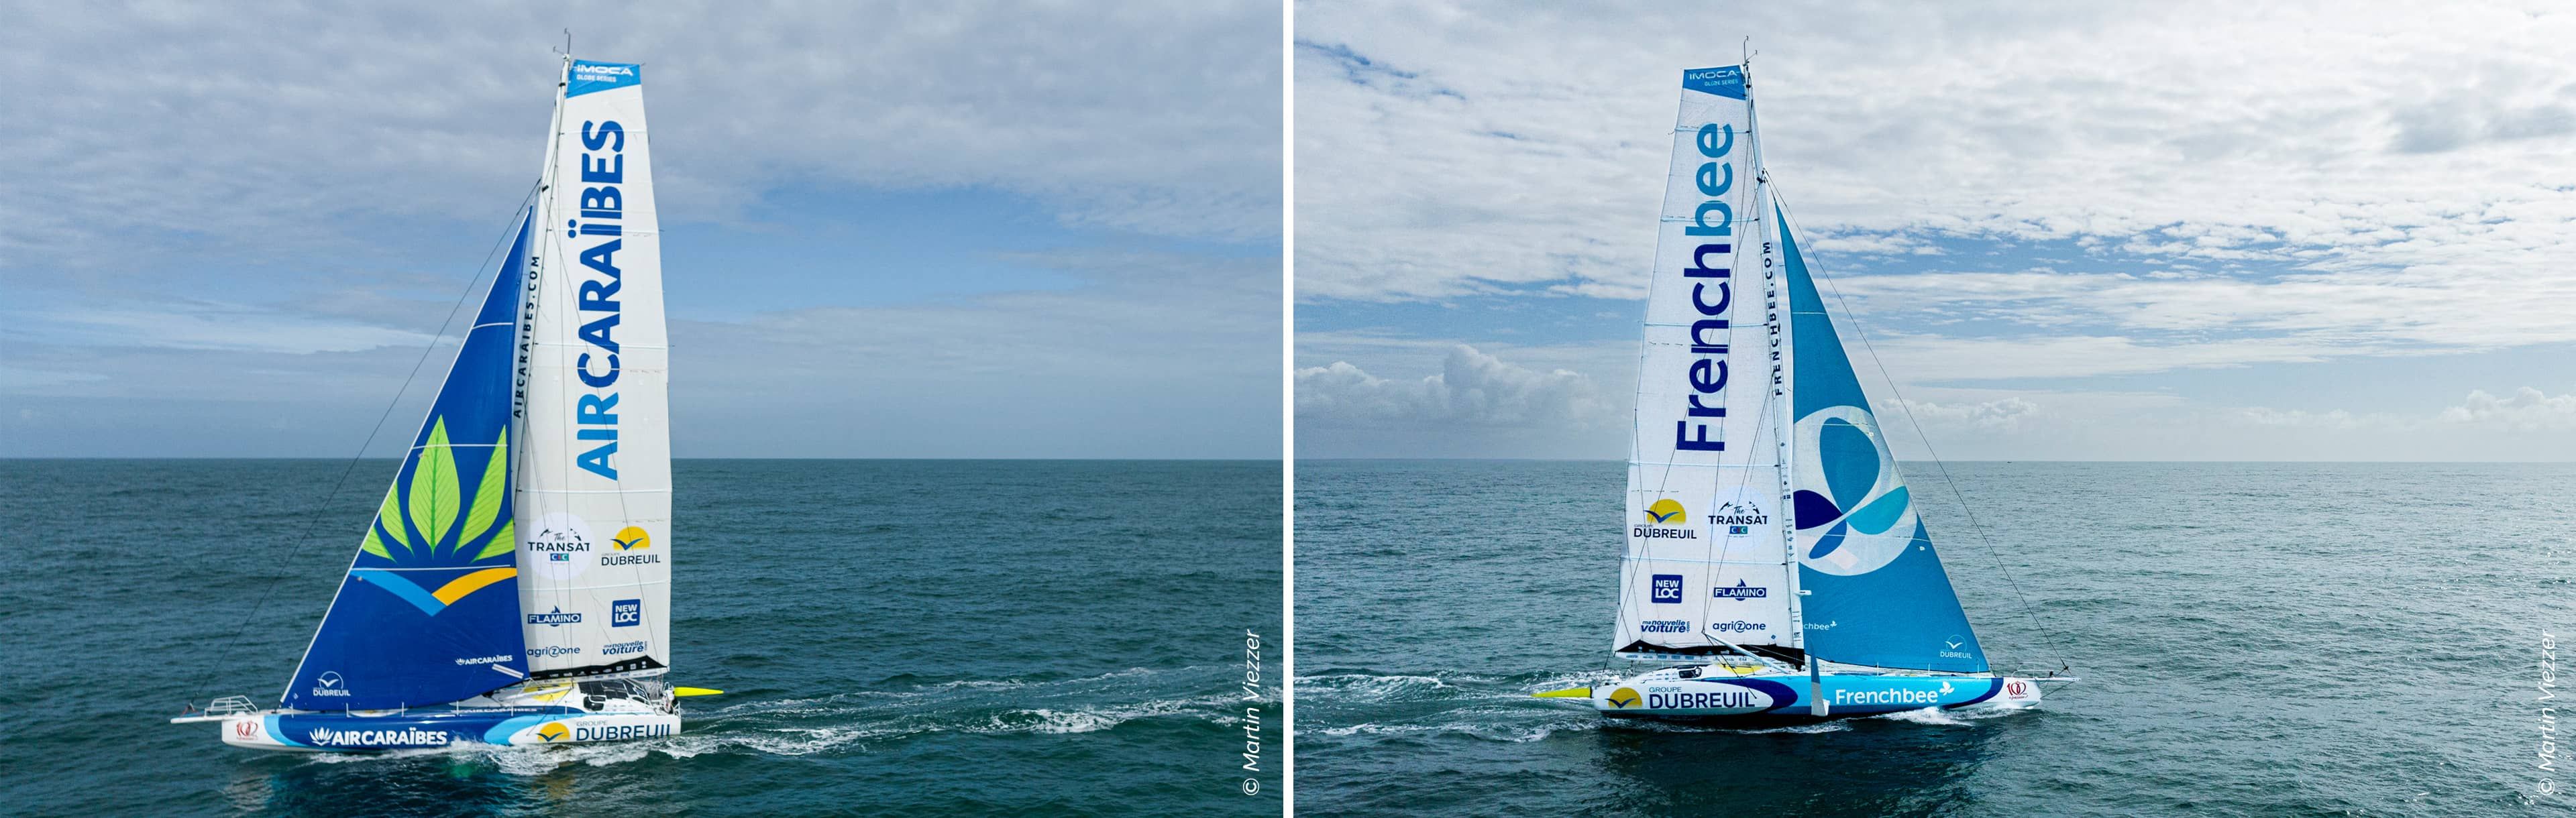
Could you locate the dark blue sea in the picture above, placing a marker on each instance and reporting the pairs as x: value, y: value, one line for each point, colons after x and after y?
x: 2254, y: 639
x: 897, y: 637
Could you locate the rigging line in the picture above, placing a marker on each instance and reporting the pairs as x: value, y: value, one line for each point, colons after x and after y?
x: 2044, y: 633
x: 312, y: 518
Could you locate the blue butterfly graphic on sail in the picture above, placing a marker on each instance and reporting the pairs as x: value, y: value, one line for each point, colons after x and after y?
x: 1864, y: 518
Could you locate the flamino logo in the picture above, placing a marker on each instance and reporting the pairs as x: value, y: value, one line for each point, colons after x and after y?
x: 1623, y: 697
x: 554, y: 731
x: 1666, y: 511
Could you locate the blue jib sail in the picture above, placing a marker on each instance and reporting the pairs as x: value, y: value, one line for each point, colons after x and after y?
x: 1877, y: 594
x: 429, y: 611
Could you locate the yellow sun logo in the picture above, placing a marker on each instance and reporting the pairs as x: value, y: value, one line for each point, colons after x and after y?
x: 1626, y: 697
x: 553, y: 731
x: 1666, y: 511
x: 632, y: 538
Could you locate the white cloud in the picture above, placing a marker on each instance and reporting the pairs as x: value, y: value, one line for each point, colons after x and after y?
x: 2394, y: 184
x: 2526, y: 410
x: 1471, y: 389
x: 2006, y: 415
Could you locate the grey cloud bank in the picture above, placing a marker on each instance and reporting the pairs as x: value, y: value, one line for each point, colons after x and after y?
x: 231, y: 230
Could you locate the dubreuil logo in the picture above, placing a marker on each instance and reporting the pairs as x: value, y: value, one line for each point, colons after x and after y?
x: 1664, y: 512
x: 329, y: 684
x: 630, y: 539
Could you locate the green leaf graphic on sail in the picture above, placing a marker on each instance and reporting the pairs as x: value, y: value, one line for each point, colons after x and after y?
x: 429, y: 522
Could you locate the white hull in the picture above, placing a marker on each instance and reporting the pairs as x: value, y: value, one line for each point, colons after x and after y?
x: 1723, y: 693
x: 348, y: 732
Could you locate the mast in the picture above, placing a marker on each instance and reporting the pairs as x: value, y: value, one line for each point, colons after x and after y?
x: 536, y: 259
x: 1776, y: 339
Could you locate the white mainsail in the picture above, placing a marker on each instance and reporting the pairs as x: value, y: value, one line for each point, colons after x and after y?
x: 594, y: 496
x: 1707, y: 563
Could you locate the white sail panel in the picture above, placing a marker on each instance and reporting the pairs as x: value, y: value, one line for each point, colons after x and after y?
x: 1706, y: 561
x: 595, y: 480
x: 1705, y: 564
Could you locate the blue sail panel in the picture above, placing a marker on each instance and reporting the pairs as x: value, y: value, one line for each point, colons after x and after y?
x: 1876, y: 593
x: 429, y: 610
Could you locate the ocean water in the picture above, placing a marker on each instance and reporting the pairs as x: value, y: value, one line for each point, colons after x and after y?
x: 2253, y: 639
x: 896, y: 637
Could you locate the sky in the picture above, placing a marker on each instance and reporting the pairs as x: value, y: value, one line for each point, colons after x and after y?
x: 2116, y: 231
x: 889, y: 229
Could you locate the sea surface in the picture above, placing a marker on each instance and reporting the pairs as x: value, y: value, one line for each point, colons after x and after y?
x: 896, y: 637
x: 2254, y: 639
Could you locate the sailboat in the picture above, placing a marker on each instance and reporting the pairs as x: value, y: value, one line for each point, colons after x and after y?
x: 514, y: 587
x: 1775, y: 569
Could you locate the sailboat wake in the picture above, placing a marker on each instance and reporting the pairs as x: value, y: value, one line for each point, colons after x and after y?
x: 856, y: 721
